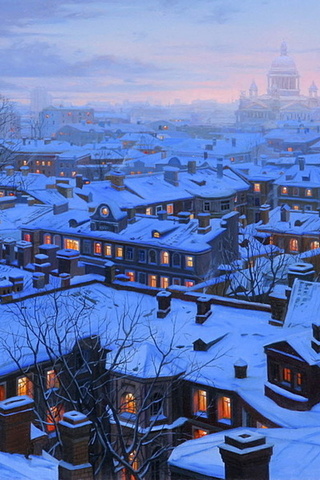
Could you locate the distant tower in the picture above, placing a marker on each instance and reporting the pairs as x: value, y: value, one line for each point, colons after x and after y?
x: 39, y: 99
x: 313, y: 90
x: 253, y: 90
x: 283, y: 76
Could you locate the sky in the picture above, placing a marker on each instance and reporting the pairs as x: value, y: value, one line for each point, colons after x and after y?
x: 159, y: 51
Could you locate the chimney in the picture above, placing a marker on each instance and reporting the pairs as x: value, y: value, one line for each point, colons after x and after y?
x: 240, y: 368
x: 42, y: 265
x: 264, y: 213
x: 285, y: 213
x: 171, y: 175
x: 246, y: 456
x: 164, y: 303
x: 233, y: 142
x: 68, y: 261
x: 9, y: 244
x: 203, y: 308
x: 65, y: 190
x: 38, y: 280
x: 16, y: 415
x: 24, y: 140
x: 9, y: 169
x: 79, y: 181
x: 24, y: 253
x: 75, y: 431
x: 301, y: 162
x: 117, y: 180
x: 65, y: 280
x: 17, y: 282
x: 263, y: 160
x: 220, y: 167
x: 184, y: 217
x: 315, y: 342
x: 51, y: 251
x: 131, y: 214
x: 24, y: 171
x: 204, y: 223
x: 192, y: 166
x: 162, y: 215
x: 303, y: 271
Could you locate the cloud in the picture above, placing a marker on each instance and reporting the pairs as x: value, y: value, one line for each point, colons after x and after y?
x: 222, y: 13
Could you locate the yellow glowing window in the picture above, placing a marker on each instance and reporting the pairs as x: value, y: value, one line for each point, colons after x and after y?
x: 148, y: 211
x: 170, y: 209
x: 131, y: 276
x: 49, y: 164
x: 200, y: 400
x: 189, y: 283
x: 107, y: 250
x: 47, y: 239
x: 27, y: 237
x: 224, y: 408
x: 165, y: 258
x: 98, y: 248
x: 37, y: 162
x: 287, y: 375
x: 308, y: 192
x: 198, y: 433
x: 189, y: 261
x: 284, y: 190
x: 38, y: 171
x: 256, y: 187
x: 293, y: 245
x: 54, y: 415
x: 290, y: 149
x: 52, y: 380
x: 299, y: 379
x: 71, y: 244
x: 152, y: 281
x: 24, y: 386
x: 128, y: 403
x: 314, y: 245
x: 43, y: 163
x: 61, y: 174
x: 156, y: 235
x: 2, y: 391
x: 164, y: 282
x: 119, y: 252
x: 295, y: 207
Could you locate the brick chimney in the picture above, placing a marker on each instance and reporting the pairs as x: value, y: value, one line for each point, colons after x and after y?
x: 285, y: 213
x: 164, y: 303
x: 9, y: 244
x: 184, y: 217
x: 75, y: 435
x: 204, y: 223
x: 117, y: 180
x: 79, y: 181
x: 303, y: 271
x: 203, y: 308
x: 301, y: 162
x: 246, y: 456
x: 192, y: 167
x: 24, y: 253
x: 68, y: 261
x: 264, y: 213
x: 240, y: 368
x: 16, y: 415
x: 171, y: 175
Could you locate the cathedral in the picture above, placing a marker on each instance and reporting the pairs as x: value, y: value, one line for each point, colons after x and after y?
x: 283, y: 101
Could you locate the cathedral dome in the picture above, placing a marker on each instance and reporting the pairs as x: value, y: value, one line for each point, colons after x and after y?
x: 283, y: 63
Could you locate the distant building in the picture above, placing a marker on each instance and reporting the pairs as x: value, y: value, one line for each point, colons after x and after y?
x: 53, y: 118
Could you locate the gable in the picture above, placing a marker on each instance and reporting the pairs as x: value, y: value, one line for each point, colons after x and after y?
x: 284, y: 349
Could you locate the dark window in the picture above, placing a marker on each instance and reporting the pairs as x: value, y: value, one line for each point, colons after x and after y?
x: 176, y: 260
x: 152, y: 256
x: 274, y: 372
x: 225, y: 205
x: 142, y: 255
x: 87, y: 247
x: 156, y: 404
x: 142, y: 278
x: 129, y: 253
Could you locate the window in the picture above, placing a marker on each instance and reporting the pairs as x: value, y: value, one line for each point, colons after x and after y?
x: 176, y: 261
x: 129, y: 253
x: 52, y: 381
x: 198, y: 433
x: 287, y: 375
x: 2, y: 391
x: 152, y: 280
x: 71, y: 244
x: 284, y: 190
x: 158, y: 208
x: 152, y: 256
x: 142, y: 256
x: 189, y: 283
x: 308, y: 192
x: 164, y: 282
x: 47, y: 239
x: 296, y: 207
x: 156, y: 404
x: 170, y: 208
x: 156, y: 234
x: 225, y: 205
x: 206, y: 206
x: 131, y: 275
x: 148, y: 211
x: 107, y: 250
x: 119, y: 252
x: 176, y: 281
x: 142, y: 278
x: 54, y: 415
x: 274, y: 370
x: 200, y: 402
x: 128, y: 403
x: 298, y: 380
x: 314, y: 245
x: 224, y: 409
x: 97, y: 248
x: 256, y: 187
x: 293, y: 245
x: 295, y: 191
x: 25, y: 386
x: 27, y: 237
x: 165, y: 258
x: 189, y: 261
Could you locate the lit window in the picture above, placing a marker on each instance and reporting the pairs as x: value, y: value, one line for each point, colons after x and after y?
x: 198, y: 433
x: 27, y: 237
x: 71, y: 244
x: 148, y: 211
x: 152, y: 281
x: 128, y: 403
x: 189, y: 261
x: 98, y: 248
x: 107, y: 250
x: 37, y: 171
x: 290, y: 149
x: 299, y: 380
x: 54, y: 416
x: 131, y: 276
x: 119, y: 252
x: 52, y: 380
x: 164, y: 282
x: 293, y: 245
x: 2, y: 391
x: 104, y: 211
x: 61, y: 174
x: 224, y: 408
x: 189, y: 283
x: 170, y: 209
x: 24, y: 386
x: 43, y: 163
x: 295, y: 207
x: 49, y: 164
x: 156, y: 234
x: 308, y: 192
x: 287, y: 375
x: 37, y: 162
x: 284, y: 190
x: 47, y: 239
x: 261, y: 425
x: 314, y: 245
x: 200, y: 401
x: 256, y: 187
x: 165, y: 258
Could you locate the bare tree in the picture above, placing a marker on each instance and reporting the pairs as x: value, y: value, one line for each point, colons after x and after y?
x: 118, y: 369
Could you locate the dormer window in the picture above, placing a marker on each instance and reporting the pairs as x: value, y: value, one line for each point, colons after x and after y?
x: 104, y: 211
x: 256, y: 187
x: 156, y: 234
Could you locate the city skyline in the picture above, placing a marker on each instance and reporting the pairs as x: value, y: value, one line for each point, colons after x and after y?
x: 158, y: 51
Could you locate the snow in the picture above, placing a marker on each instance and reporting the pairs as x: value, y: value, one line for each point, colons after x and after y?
x: 18, y: 467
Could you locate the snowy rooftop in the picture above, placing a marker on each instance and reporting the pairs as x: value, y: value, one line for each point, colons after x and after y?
x: 299, y: 222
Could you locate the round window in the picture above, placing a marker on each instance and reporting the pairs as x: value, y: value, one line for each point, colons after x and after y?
x: 104, y: 211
